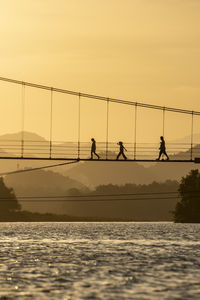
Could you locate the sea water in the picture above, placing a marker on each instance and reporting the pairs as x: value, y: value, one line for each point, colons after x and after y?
x: 99, y: 261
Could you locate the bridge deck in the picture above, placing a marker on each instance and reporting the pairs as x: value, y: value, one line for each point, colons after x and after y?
x: 196, y: 160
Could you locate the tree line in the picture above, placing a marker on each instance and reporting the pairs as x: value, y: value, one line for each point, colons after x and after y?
x: 187, y: 209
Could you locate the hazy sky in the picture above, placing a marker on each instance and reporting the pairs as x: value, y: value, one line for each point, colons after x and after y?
x: 145, y: 50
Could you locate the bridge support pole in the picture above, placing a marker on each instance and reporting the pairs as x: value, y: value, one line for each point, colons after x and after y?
x: 135, y: 135
x: 23, y: 118
x: 79, y: 124
x: 192, y: 126
x: 163, y: 121
x: 107, y: 125
x: 51, y: 123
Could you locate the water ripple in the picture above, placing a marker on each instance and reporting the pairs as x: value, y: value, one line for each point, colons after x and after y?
x: 73, y: 261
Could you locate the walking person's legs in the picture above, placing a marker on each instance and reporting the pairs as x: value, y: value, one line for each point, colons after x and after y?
x: 97, y: 155
x: 165, y: 153
x: 91, y: 155
x: 160, y: 153
x: 124, y: 156
x: 118, y: 156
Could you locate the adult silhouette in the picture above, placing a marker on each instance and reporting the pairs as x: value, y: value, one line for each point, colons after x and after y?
x: 121, y: 151
x: 93, y: 149
x: 162, y: 149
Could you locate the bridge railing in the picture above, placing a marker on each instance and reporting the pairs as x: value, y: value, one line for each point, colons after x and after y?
x: 82, y: 150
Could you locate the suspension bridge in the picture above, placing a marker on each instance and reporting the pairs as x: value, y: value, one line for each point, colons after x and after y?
x: 79, y: 150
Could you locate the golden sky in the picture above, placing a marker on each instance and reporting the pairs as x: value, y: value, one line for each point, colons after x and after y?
x: 140, y: 50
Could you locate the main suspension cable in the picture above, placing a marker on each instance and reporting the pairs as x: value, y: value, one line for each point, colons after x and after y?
x: 102, y: 98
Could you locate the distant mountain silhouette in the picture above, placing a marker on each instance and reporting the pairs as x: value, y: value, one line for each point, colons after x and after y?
x: 7, y: 143
x: 95, y: 173
x: 41, y: 183
x: 29, y: 136
x: 10, y: 145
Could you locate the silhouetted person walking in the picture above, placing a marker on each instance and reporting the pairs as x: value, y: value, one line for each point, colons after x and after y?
x: 121, y: 151
x: 93, y: 149
x: 162, y: 148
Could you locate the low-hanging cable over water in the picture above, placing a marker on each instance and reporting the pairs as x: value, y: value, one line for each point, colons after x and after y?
x: 168, y: 196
